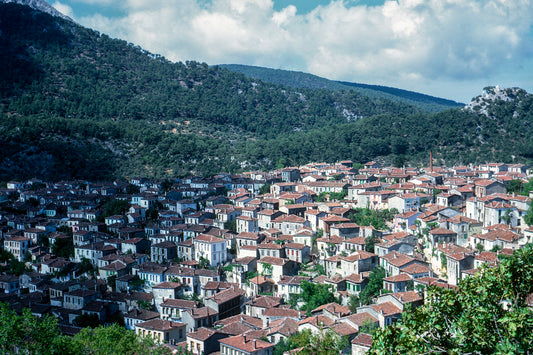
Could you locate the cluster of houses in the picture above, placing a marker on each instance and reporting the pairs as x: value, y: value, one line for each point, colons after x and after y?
x: 210, y: 265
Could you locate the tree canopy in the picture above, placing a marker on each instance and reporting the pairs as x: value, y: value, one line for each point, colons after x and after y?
x: 327, y: 342
x: 315, y: 295
x: 26, y: 334
x: 487, y: 314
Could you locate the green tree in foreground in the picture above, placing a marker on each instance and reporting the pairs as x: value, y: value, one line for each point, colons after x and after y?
x: 487, y: 314
x: 113, y: 340
x: 326, y: 342
x: 26, y: 334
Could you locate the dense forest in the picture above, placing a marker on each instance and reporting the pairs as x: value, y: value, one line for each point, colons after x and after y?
x: 78, y: 104
x: 305, y: 80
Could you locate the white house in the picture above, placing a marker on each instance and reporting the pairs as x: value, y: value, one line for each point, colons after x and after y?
x: 211, y: 248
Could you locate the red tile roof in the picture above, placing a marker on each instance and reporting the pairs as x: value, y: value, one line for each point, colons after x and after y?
x: 317, y: 321
x: 272, y: 260
x: 386, y: 309
x: 205, y: 238
x: 282, y: 312
x: 226, y: 295
x: 201, y: 334
x: 160, y: 325
x: 363, y: 339
x: 246, y: 344
x: 398, y: 278
x: 333, y: 308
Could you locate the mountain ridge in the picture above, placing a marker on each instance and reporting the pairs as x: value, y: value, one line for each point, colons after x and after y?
x: 298, y: 79
x: 40, y: 5
x: 76, y: 103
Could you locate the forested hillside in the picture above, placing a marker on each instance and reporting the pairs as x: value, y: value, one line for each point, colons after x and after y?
x: 76, y: 103
x: 304, y: 80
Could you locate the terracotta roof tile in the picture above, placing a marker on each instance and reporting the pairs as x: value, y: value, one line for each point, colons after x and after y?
x: 363, y: 339
x: 244, y: 343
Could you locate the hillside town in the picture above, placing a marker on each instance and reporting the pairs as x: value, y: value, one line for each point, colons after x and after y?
x: 235, y: 264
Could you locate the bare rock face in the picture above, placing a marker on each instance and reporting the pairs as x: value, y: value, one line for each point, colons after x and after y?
x: 481, y: 104
x: 40, y: 5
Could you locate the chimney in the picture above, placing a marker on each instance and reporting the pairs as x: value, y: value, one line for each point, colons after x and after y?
x: 255, y: 346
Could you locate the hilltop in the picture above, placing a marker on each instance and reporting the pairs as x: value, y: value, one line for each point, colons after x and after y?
x: 297, y: 79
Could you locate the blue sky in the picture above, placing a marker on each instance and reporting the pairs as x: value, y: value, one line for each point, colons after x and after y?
x: 446, y: 48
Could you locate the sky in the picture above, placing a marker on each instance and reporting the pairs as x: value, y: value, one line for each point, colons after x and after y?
x: 445, y: 48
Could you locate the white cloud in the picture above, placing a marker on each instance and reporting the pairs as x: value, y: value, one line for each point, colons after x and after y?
x: 97, y: 2
x: 402, y: 43
x: 63, y: 8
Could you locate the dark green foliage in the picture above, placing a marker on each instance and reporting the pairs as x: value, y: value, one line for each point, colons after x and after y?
x: 85, y: 267
x: 112, y: 282
x: 515, y: 186
x: 137, y: 283
x: 443, y: 261
x: 353, y: 303
x: 113, y: 339
x: 113, y: 207
x: 65, y: 230
x: 145, y: 305
x: 5, y: 256
x: 265, y: 189
x: 488, y: 314
x: 132, y: 189
x: 152, y: 214
x: 305, y: 80
x: 63, y: 247
x: 375, y: 284
x: 326, y: 342
x: 13, y: 267
x: 315, y: 295
x: 527, y: 187
x: 332, y: 196
x: 409, y: 285
x: 26, y: 333
x: 368, y: 217
x: 250, y: 275
x: 319, y: 269
x: 231, y: 226
x: 204, y: 263
x: 370, y: 242
x: 87, y: 320
x: 528, y: 218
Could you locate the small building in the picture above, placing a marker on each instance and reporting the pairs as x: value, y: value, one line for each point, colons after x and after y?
x: 199, y: 317
x: 138, y: 315
x: 165, y: 290
x: 17, y: 245
x: 361, y: 344
x: 212, y: 248
x: 226, y: 303
x: 204, y: 341
x: 162, y: 331
x: 164, y: 251
x: 245, y: 345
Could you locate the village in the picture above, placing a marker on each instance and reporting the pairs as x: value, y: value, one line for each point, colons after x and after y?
x: 233, y: 264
